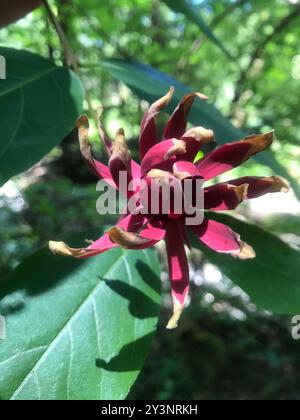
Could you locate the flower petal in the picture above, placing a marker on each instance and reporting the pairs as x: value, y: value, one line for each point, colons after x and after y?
x: 183, y: 169
x: 102, y: 171
x: 176, y: 125
x: 222, y: 239
x: 135, y: 169
x: 258, y: 186
x: 154, y: 230
x: 131, y: 223
x: 233, y: 154
x: 224, y: 196
x: 179, y: 271
x: 120, y: 160
x: 148, y: 136
x: 162, y: 153
x: 197, y: 138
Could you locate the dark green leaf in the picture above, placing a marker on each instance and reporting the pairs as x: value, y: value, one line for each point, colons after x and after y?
x: 272, y: 278
x: 77, y: 329
x: 150, y: 84
x: 39, y: 103
x: 186, y: 8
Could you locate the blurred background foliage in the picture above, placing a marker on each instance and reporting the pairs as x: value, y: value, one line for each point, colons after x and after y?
x: 225, y: 347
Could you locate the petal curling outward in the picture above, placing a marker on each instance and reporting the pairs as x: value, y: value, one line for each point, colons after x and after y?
x: 233, y: 154
x: 221, y: 238
x: 258, y: 186
x: 97, y: 167
x: 177, y: 123
x: 179, y: 271
x: 224, y: 196
x: 148, y: 135
x: 163, y: 153
x: 130, y: 223
x: 120, y: 160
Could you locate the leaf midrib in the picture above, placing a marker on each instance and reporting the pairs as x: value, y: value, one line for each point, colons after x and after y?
x: 64, y: 327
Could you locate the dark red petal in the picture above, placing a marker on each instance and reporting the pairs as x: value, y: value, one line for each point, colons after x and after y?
x: 97, y: 167
x: 224, y: 196
x: 258, y: 186
x: 179, y: 271
x: 162, y: 153
x: 177, y: 123
x: 183, y: 169
x: 197, y: 138
x: 154, y: 229
x: 131, y: 223
x: 222, y: 239
x: 135, y: 169
x: 120, y: 160
x: 148, y: 136
x: 231, y: 155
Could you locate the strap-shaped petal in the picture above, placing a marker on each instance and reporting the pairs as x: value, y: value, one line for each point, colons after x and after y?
x: 221, y: 238
x: 258, y: 186
x: 120, y: 160
x: 177, y: 123
x: 130, y: 223
x: 179, y: 271
x: 148, y: 135
x: 100, y: 170
x: 165, y: 151
x: 224, y: 196
x: 233, y: 154
x: 183, y: 169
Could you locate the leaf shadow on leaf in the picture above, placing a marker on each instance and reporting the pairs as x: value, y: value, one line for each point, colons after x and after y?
x: 130, y: 358
x: 140, y: 306
x: 149, y: 276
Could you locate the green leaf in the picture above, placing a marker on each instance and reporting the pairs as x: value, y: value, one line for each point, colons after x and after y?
x: 186, y: 8
x: 272, y: 278
x: 150, y: 84
x: 77, y: 329
x: 39, y: 103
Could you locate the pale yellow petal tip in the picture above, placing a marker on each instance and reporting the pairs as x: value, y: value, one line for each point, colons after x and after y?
x: 280, y: 184
x: 61, y: 248
x: 171, y: 90
x: 58, y: 248
x: 246, y: 252
x: 177, y: 311
x: 82, y: 121
x: 202, y: 96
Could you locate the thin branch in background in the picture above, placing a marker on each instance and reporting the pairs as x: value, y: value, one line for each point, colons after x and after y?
x: 70, y: 56
x: 68, y: 52
x: 183, y: 60
x: 260, y: 49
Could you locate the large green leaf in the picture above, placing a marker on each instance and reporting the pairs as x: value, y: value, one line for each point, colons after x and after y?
x: 272, y: 278
x: 39, y: 103
x: 186, y: 8
x: 150, y: 84
x: 77, y: 329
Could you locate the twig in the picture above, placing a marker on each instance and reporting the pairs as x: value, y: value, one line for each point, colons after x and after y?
x: 70, y: 56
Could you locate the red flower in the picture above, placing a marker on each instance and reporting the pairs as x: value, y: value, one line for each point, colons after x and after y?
x: 174, y: 158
